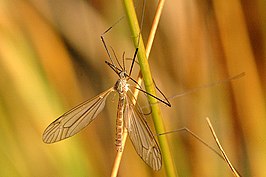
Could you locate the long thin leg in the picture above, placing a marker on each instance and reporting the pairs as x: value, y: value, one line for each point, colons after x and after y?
x: 133, y: 61
x: 195, y: 136
x: 104, y: 43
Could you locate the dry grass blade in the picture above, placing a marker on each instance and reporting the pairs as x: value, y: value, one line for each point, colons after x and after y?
x: 221, y: 149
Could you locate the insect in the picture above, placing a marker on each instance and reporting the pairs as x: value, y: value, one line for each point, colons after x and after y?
x: 128, y: 116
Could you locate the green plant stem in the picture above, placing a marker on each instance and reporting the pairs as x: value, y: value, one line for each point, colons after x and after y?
x: 149, y: 86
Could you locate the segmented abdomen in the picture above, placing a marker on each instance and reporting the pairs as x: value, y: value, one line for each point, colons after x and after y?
x: 119, y: 123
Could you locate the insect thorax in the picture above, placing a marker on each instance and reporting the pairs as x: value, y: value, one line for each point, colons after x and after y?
x: 121, y: 86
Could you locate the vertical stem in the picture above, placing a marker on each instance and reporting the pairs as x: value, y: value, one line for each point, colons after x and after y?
x: 148, y: 82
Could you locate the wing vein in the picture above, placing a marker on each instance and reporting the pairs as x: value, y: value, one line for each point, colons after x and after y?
x: 75, y: 119
x: 141, y: 136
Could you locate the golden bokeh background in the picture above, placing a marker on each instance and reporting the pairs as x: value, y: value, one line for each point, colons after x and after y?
x: 52, y: 58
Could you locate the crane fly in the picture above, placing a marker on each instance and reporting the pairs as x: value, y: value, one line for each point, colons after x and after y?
x: 129, y: 116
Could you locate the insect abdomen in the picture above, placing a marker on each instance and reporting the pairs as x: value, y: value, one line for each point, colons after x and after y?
x: 119, y: 124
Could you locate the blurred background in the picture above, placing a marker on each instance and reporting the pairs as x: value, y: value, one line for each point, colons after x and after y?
x: 52, y: 58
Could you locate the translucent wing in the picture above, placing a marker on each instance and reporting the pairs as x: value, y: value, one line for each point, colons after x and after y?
x: 142, y: 137
x: 75, y: 119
